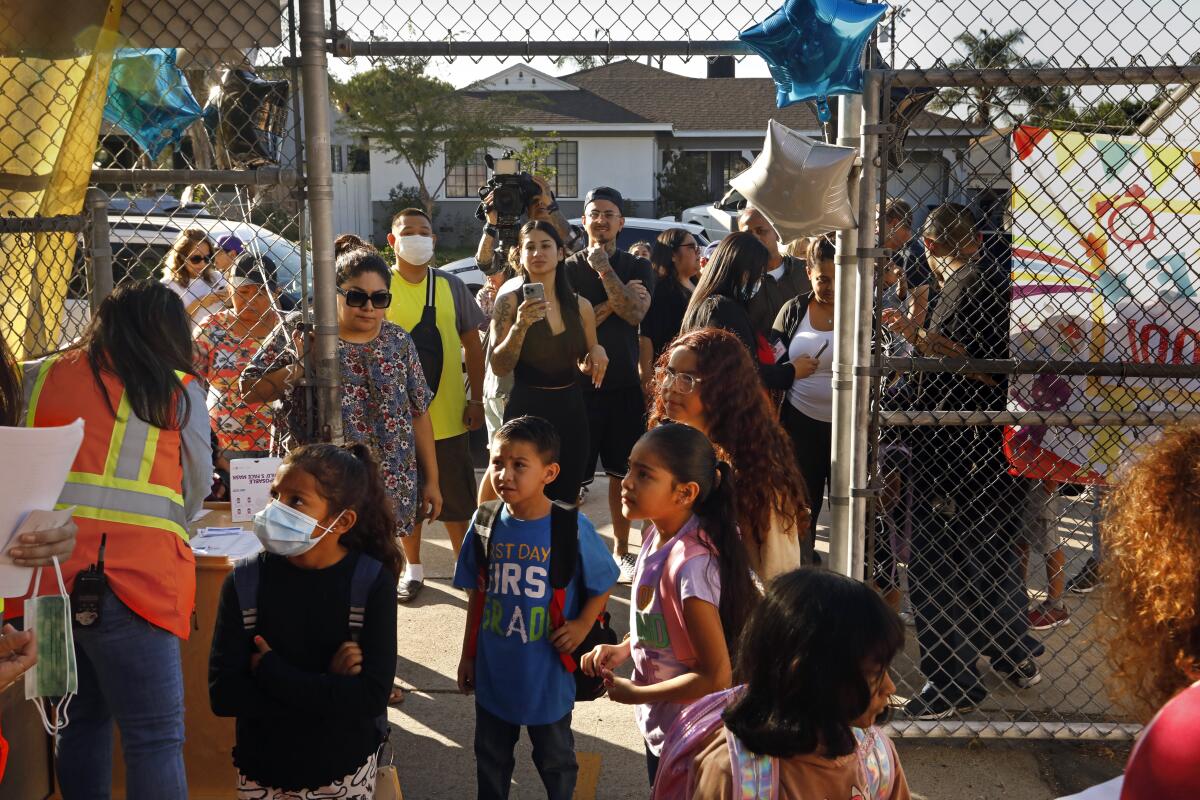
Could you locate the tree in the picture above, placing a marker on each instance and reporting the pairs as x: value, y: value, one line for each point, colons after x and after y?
x: 418, y: 118
x: 535, y: 154
x: 682, y: 183
x: 988, y: 50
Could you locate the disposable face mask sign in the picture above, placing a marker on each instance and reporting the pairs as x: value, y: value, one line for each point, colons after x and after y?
x: 55, y: 676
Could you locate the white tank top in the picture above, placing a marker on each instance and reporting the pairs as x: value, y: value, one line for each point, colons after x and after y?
x: 813, y: 396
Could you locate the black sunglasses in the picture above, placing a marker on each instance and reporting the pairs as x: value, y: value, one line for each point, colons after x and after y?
x: 357, y: 298
x: 194, y: 259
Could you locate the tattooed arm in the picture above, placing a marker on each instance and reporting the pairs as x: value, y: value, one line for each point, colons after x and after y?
x: 510, y: 323
x: 626, y: 301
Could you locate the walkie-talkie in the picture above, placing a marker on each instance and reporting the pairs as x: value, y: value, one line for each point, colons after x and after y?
x: 89, y: 589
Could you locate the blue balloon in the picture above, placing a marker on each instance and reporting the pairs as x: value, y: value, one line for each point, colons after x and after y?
x: 814, y: 48
x: 149, y: 98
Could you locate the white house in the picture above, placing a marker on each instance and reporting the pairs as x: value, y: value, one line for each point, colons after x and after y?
x: 615, y: 123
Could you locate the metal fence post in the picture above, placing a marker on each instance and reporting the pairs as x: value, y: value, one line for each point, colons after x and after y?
x: 315, y: 79
x: 99, y: 248
x: 841, y: 534
x: 860, y: 445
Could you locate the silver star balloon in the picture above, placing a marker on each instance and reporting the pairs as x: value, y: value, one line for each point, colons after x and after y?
x: 799, y: 184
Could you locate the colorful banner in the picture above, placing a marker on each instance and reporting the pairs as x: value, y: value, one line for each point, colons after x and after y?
x: 1106, y: 268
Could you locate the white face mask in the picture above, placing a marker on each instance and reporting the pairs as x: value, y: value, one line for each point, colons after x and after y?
x: 415, y: 250
x: 285, y: 531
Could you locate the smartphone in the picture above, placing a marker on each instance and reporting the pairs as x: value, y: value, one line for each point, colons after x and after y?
x: 534, y: 291
x: 824, y: 347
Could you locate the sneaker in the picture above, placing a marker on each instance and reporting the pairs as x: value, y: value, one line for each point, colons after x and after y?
x: 628, y: 565
x: 1044, y: 617
x: 1087, y: 580
x: 931, y: 703
x: 408, y: 590
x: 1022, y: 674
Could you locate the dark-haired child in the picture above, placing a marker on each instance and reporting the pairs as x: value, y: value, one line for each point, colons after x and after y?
x: 815, y: 655
x: 308, y: 682
x: 511, y: 653
x: 692, y: 589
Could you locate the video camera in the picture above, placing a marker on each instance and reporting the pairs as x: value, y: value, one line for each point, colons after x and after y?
x: 512, y: 191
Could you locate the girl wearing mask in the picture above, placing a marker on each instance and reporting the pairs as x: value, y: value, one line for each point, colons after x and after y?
x: 308, y: 680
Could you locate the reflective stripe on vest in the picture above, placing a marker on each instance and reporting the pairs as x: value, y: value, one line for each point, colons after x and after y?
x: 122, y: 493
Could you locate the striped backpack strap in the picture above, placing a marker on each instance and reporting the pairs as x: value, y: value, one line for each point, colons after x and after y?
x: 875, y: 758
x: 245, y: 580
x: 365, y: 572
x: 755, y: 777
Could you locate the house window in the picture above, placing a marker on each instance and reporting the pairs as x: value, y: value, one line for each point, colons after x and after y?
x: 464, y: 178
x: 732, y: 164
x: 335, y: 158
x: 359, y: 159
x: 565, y: 161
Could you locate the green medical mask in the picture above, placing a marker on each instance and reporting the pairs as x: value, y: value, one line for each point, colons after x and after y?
x: 55, y: 676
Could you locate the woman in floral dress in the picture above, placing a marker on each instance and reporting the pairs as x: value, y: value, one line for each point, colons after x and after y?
x: 384, y: 393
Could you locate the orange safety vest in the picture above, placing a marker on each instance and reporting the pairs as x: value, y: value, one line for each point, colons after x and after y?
x: 127, y: 481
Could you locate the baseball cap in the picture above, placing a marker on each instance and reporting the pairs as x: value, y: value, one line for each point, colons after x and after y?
x: 605, y: 193
x: 710, y: 249
x: 230, y: 243
x: 250, y: 268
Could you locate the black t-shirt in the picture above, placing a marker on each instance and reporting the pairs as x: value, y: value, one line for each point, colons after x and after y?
x: 662, y: 322
x: 618, y: 338
x: 298, y: 726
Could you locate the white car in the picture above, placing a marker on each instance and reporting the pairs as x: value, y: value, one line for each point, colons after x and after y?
x: 141, y: 237
x: 716, y: 220
x: 637, y: 229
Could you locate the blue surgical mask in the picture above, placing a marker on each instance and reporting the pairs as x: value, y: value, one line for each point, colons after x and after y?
x: 285, y: 531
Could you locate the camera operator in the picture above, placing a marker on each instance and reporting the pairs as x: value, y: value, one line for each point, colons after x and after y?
x: 541, y: 206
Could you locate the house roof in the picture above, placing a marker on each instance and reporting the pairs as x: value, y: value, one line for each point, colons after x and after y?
x: 632, y: 92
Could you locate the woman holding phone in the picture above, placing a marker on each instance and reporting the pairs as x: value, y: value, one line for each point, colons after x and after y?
x: 805, y: 327
x: 545, y: 335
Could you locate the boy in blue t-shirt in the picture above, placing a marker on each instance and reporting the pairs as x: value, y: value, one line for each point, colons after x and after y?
x: 516, y: 670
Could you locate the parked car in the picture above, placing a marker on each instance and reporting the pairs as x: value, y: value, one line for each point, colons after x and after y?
x: 636, y: 229
x: 141, y: 236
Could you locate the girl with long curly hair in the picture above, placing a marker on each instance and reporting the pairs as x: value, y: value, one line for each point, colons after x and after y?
x: 1152, y: 597
x: 705, y: 379
x: 189, y: 273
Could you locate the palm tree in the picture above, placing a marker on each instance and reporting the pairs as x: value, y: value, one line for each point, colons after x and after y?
x: 988, y: 50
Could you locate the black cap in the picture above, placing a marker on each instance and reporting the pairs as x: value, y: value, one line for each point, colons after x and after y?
x: 605, y: 193
x: 249, y: 268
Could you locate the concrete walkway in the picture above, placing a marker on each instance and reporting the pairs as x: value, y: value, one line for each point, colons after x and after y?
x: 432, y: 730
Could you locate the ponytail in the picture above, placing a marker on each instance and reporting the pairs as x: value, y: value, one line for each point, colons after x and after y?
x: 690, y: 458
x: 717, y: 512
x: 349, y: 477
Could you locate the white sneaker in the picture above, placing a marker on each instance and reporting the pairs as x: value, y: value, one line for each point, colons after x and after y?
x: 628, y: 565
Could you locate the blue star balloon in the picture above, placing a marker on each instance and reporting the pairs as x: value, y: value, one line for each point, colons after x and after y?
x: 814, y: 48
x: 149, y: 98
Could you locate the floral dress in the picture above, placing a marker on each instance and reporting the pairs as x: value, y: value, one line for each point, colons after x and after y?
x: 221, y: 356
x: 383, y: 389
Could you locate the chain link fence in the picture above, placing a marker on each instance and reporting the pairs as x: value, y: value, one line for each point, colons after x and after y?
x: 1043, y: 331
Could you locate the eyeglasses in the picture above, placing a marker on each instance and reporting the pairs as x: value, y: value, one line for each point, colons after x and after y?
x: 667, y: 377
x: 688, y: 246
x: 195, y: 259
x: 607, y: 216
x: 357, y: 298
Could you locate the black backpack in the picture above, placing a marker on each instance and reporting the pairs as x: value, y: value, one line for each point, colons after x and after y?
x: 428, y: 338
x: 564, y: 555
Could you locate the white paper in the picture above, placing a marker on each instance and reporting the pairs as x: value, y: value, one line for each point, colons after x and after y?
x: 1109, y: 790
x: 237, y: 543
x: 250, y: 485
x: 32, y: 475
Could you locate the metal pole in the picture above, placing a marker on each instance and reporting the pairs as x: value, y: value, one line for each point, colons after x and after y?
x: 319, y: 175
x: 841, y: 476
x: 860, y: 444
x: 1044, y: 76
x: 99, y: 248
x: 1076, y: 419
x: 263, y: 176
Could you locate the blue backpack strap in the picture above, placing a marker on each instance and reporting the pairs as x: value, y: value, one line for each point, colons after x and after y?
x: 755, y: 777
x: 365, y: 572
x: 875, y: 757
x: 245, y: 580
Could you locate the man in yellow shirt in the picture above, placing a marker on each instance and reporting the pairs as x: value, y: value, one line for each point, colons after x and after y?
x: 444, y: 321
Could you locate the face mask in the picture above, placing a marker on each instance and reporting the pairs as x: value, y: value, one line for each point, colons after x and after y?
x: 415, y: 249
x: 285, y: 531
x: 55, y: 676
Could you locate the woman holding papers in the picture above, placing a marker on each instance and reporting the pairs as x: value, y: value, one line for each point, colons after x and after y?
x: 142, y: 472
